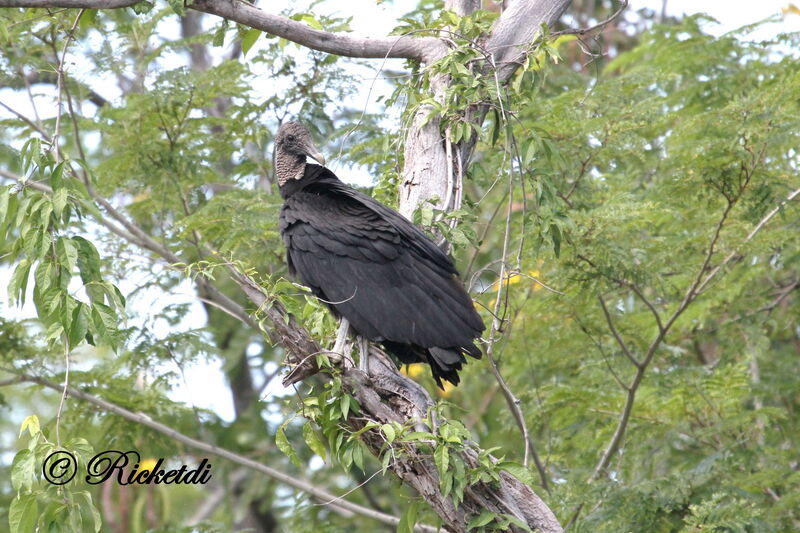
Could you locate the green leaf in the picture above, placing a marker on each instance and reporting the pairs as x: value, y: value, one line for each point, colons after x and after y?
x: 555, y: 235
x: 178, y: 7
x: 530, y: 152
x: 409, y: 518
x: 91, y: 509
x: 219, y: 34
x: 23, y: 513
x: 56, y: 180
x: 31, y: 423
x: 481, y: 520
x: 54, y: 332
x: 60, y: 201
x: 67, y: 253
x: 441, y: 457
x: 249, y: 39
x: 387, y: 458
x: 344, y: 405
x: 78, y: 326
x: 308, y: 18
x: 497, y: 126
x: 418, y: 435
x: 89, y: 266
x: 44, y: 275
x: 313, y: 440
x: 30, y: 153
x: 388, y: 432
x: 23, y: 468
x: 358, y: 456
x: 517, y: 470
x: 18, y: 285
x: 88, y: 19
x: 5, y: 194
x: 105, y: 323
x: 283, y: 445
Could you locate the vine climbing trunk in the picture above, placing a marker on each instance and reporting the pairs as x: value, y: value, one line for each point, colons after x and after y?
x: 433, y: 166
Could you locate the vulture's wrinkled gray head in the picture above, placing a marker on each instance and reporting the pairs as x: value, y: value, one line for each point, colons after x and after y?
x: 292, y: 144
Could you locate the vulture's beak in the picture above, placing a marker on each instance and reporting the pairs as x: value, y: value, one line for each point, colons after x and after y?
x: 313, y: 153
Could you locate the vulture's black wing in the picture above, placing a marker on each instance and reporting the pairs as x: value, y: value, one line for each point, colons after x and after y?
x: 382, y: 273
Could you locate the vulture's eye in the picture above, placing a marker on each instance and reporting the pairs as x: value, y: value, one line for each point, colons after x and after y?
x: 290, y: 138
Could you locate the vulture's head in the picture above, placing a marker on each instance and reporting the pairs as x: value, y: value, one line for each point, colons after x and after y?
x: 294, y: 140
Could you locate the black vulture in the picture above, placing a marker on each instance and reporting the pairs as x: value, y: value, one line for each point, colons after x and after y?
x: 371, y: 266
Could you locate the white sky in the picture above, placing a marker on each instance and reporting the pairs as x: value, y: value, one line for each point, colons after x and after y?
x: 207, y: 387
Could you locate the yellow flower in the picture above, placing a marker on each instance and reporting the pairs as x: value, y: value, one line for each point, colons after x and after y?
x: 412, y: 371
x: 147, y: 464
x: 448, y: 389
x: 514, y: 278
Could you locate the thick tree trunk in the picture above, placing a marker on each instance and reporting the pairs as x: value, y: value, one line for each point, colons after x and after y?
x: 433, y: 170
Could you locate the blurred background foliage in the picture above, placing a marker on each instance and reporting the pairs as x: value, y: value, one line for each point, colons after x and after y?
x: 629, y: 170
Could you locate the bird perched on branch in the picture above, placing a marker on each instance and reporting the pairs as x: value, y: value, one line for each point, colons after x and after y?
x: 372, y: 267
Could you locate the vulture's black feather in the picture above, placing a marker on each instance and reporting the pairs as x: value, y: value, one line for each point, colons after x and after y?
x: 372, y: 266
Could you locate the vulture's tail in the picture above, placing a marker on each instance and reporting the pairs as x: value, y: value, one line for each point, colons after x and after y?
x: 445, y: 363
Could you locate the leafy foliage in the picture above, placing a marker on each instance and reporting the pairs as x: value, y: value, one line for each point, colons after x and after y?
x: 650, y: 267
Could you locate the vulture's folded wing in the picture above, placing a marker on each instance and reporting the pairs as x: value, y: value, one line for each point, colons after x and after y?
x: 375, y: 268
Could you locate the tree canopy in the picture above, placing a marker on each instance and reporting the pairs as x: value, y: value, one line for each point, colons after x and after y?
x: 620, y: 198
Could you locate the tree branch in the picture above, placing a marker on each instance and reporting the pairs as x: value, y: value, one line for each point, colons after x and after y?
x: 703, y: 285
x: 516, y: 29
x: 76, y: 4
x: 405, y: 47
x: 344, y: 45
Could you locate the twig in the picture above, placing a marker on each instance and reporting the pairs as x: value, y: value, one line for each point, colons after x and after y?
x: 512, y: 401
x: 514, y: 404
x: 215, y: 498
x: 653, y: 310
x: 598, y: 26
x: 27, y: 121
x: 614, y: 332
x: 747, y: 239
x: 63, y: 391
x: 60, y: 83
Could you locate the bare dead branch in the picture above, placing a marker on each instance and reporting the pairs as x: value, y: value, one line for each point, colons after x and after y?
x: 339, y: 44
